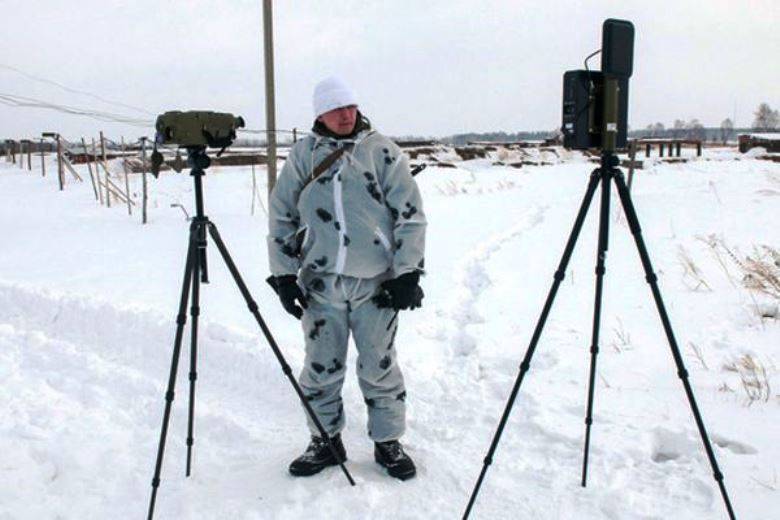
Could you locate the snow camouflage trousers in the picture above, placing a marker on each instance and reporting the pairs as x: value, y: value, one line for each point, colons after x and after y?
x: 339, y: 305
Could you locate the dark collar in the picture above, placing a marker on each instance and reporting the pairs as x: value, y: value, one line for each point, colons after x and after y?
x: 361, y: 124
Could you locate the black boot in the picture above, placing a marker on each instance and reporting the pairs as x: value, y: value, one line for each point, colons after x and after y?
x: 318, y: 456
x: 391, y: 455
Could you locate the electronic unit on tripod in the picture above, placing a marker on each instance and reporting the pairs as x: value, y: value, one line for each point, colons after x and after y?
x: 588, y: 120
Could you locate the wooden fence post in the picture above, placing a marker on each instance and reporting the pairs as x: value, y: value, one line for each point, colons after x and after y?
x: 105, y: 164
x: 60, y: 171
x: 631, y: 158
x: 295, y: 135
x: 127, y: 182
x: 660, y: 149
x: 43, y: 161
x: 143, y: 173
x: 89, y: 165
x: 97, y: 171
x: 12, y: 145
x: 29, y: 155
x: 698, y: 149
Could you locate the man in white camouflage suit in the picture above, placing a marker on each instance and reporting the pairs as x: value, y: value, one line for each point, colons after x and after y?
x: 346, y: 245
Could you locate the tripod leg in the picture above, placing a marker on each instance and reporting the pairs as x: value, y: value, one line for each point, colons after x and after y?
x: 524, y: 366
x: 652, y: 279
x: 266, y: 331
x: 181, y: 319
x: 198, y: 265
x: 594, y: 345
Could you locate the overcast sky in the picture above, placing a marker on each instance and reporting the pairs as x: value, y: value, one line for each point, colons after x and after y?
x: 420, y: 68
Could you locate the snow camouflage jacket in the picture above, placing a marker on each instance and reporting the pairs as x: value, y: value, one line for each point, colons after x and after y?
x: 361, y: 217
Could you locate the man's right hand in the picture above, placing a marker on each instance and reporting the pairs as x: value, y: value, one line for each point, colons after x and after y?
x: 290, y: 293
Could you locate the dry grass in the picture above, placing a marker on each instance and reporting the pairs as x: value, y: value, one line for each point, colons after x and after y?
x: 692, y: 275
x: 697, y: 354
x: 752, y: 375
x: 760, y: 270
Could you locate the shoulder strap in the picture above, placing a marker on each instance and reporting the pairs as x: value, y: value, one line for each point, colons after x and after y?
x: 326, y: 163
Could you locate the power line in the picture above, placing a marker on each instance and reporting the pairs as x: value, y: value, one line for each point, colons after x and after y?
x: 23, y: 101
x: 14, y: 100
x: 73, y: 90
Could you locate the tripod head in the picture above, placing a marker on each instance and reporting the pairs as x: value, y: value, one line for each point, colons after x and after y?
x: 198, y: 160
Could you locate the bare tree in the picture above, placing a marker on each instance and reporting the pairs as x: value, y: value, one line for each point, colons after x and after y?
x: 766, y: 118
x: 694, y: 129
x: 726, y: 128
x: 679, y: 128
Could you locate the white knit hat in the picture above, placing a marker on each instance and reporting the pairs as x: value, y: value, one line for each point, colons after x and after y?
x: 332, y: 93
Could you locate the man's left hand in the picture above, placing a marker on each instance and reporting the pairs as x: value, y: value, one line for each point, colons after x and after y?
x: 401, y: 293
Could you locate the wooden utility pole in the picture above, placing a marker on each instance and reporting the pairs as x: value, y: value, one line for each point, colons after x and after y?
x: 143, y: 170
x: 270, y: 113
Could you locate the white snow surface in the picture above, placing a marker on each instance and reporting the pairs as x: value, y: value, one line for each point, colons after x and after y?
x: 88, y: 299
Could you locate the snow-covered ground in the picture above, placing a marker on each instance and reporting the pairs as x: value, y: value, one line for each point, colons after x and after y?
x: 88, y: 298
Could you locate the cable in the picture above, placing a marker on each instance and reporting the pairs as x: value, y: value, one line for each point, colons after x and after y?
x: 73, y: 90
x: 23, y: 101
x: 14, y: 100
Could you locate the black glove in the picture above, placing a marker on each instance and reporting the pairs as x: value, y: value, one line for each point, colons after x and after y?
x: 289, y: 292
x: 400, y: 293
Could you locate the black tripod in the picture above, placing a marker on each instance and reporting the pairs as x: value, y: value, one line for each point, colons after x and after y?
x: 195, y: 266
x: 607, y: 172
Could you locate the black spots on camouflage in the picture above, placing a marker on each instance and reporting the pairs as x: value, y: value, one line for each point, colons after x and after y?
x: 370, y: 402
x: 399, y: 243
x: 401, y: 396
x: 337, y: 225
x: 411, y: 210
x: 315, y: 332
x: 346, y: 241
x: 385, y: 362
x: 377, y: 242
x: 324, y: 179
x: 317, y: 284
x: 294, y: 220
x: 319, y: 262
x: 374, y: 192
x: 369, y: 176
x: 314, y: 395
x: 393, y: 211
x: 388, y: 159
x: 317, y: 367
x: 324, y: 215
x: 336, y: 366
x: 421, y: 263
x: 339, y: 415
x: 288, y: 250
